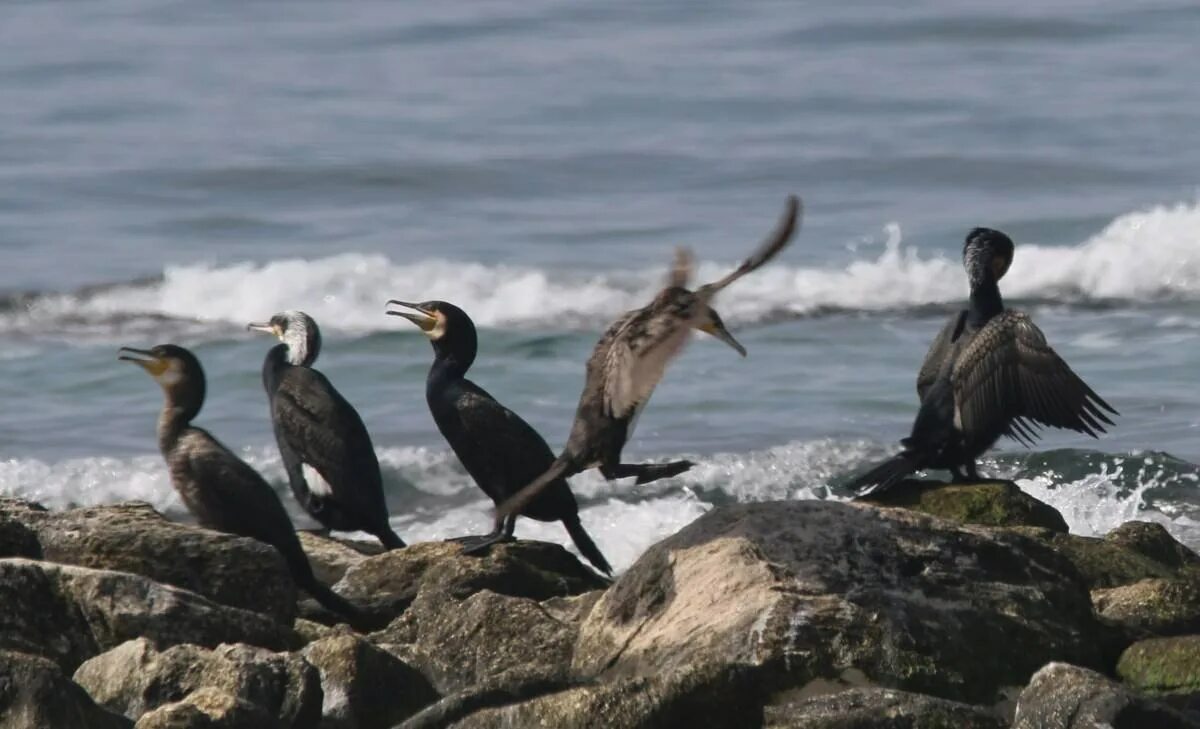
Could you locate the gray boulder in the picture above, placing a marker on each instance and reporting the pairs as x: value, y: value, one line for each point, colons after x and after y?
x: 877, y: 708
x: 34, y: 694
x: 463, y: 643
x: 365, y: 687
x: 331, y: 557
x: 133, y: 537
x: 1061, y: 696
x: 385, y: 585
x: 208, y: 708
x: 1152, y: 607
x: 69, y: 614
x: 134, y: 678
x: 808, y: 591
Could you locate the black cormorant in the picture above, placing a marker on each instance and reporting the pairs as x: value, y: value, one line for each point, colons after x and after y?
x: 330, y: 462
x: 988, y: 373
x: 630, y: 359
x: 221, y: 490
x: 501, y: 451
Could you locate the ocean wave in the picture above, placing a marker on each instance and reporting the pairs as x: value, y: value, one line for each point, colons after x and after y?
x: 430, y: 496
x: 1145, y: 256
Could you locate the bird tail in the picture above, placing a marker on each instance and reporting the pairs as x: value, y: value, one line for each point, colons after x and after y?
x: 886, y: 474
x: 334, y: 602
x: 389, y: 539
x: 564, y: 465
x: 585, y: 545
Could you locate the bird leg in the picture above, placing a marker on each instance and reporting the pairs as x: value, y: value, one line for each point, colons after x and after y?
x: 502, y: 533
x: 645, y: 472
x: 967, y: 474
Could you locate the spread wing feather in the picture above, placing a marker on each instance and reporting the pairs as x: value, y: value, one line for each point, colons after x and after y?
x: 941, y: 349
x: 636, y: 357
x: 1007, y: 380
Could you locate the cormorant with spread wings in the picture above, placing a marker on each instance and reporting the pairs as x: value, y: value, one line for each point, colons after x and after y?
x: 988, y: 373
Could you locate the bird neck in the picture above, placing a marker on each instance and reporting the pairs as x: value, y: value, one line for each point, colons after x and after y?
x: 172, y: 422
x: 274, y: 365
x: 449, y: 366
x: 985, y: 301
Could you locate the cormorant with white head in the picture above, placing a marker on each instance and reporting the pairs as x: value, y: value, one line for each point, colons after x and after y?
x: 988, y: 373
x: 327, y: 452
x: 501, y: 451
x: 630, y: 359
x: 221, y: 490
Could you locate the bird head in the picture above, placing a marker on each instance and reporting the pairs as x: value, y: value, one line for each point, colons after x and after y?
x: 448, y: 327
x: 175, y: 369
x: 298, y: 331
x: 987, y: 254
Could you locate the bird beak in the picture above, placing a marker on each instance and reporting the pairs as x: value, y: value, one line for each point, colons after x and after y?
x: 267, y: 328
x: 423, y: 318
x: 146, y: 360
x: 720, y: 332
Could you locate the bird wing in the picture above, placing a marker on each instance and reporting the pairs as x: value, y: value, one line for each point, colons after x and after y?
x: 326, y: 432
x: 775, y: 242
x: 505, y: 452
x: 234, y: 496
x: 637, y: 350
x: 1007, y: 379
x: 938, y: 352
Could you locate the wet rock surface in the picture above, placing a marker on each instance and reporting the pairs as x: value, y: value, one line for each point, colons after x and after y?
x: 1062, y: 696
x: 992, y: 503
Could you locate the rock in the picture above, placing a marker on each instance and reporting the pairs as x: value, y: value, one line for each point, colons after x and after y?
x: 803, y: 591
x: 1154, y: 607
x: 134, y: 678
x: 993, y: 503
x: 133, y: 537
x: 877, y: 708
x: 385, y: 585
x: 1061, y: 696
x: 331, y: 557
x: 1163, y: 667
x: 1152, y: 540
x: 1102, y: 563
x: 366, y: 687
x: 69, y: 614
x: 18, y: 540
x: 208, y: 708
x: 459, y: 644
x: 35, y: 695
x: 308, y: 631
x: 686, y: 698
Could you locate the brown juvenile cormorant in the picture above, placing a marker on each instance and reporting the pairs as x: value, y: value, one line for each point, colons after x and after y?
x: 630, y: 359
x: 327, y: 453
x: 221, y: 490
x: 501, y: 451
x: 988, y: 373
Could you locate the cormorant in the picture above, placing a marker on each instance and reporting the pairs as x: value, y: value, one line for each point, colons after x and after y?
x: 221, y: 490
x: 330, y: 462
x: 630, y: 359
x: 988, y: 373
x: 501, y: 451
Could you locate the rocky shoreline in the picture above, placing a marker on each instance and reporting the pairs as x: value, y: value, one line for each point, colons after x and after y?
x: 949, y: 606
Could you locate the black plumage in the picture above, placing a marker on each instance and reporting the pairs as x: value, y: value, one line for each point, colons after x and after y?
x: 988, y: 373
x: 328, y: 455
x: 499, y: 450
x: 630, y: 359
x: 221, y: 490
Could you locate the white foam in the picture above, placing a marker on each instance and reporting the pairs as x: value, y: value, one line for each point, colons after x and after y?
x: 432, y: 498
x: 1150, y: 254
